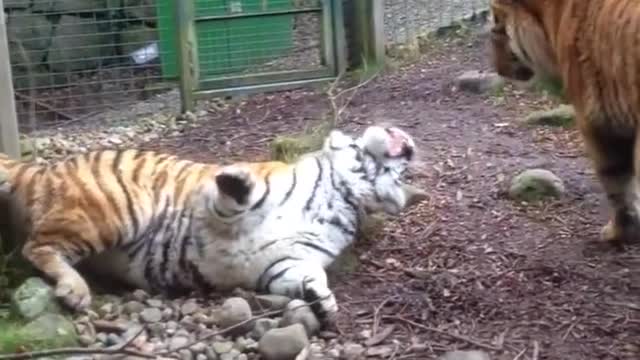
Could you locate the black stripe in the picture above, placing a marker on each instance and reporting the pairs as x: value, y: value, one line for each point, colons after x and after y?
x: 268, y: 244
x: 222, y: 214
x: 335, y: 221
x: 133, y: 216
x: 271, y: 266
x: 276, y: 277
x: 317, y: 248
x: 307, y: 207
x: 260, y: 202
x: 294, y: 182
x: 199, y: 280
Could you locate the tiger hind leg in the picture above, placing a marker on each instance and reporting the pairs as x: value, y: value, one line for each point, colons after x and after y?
x: 613, y: 157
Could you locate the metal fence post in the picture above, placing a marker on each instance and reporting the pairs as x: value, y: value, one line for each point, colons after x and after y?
x: 365, y: 31
x: 187, y: 53
x: 9, y: 137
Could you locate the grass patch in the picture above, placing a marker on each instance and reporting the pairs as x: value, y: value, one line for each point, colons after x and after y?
x: 550, y: 87
x: 288, y: 149
x: 15, y: 337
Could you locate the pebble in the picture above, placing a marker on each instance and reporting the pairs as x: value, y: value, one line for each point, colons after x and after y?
x: 189, y: 308
x: 211, y: 354
x: 352, y: 351
x: 178, y: 341
x: 139, y: 295
x: 262, y: 326
x: 155, y: 303
x: 222, y: 347
x: 283, y: 343
x: 132, y: 307
x: 185, y: 354
x: 269, y: 302
x: 297, y: 312
x: 465, y: 355
x: 234, y: 311
x: 113, y: 339
x: 151, y: 315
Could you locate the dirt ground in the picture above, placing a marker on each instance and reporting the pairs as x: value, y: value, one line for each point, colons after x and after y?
x: 469, y: 268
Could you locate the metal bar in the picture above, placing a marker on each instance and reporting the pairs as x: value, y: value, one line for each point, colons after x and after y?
x: 268, y: 77
x: 253, y: 89
x: 186, y: 56
x: 259, y: 14
x: 9, y: 135
x: 339, y: 38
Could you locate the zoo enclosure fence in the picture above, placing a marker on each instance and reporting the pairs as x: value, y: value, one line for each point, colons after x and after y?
x: 72, y: 61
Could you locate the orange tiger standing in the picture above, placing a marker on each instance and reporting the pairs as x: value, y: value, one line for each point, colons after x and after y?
x: 593, y: 47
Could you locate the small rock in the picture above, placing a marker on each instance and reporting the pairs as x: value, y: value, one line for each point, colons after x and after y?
x: 189, y: 308
x: 167, y: 314
x: 283, y: 343
x: 231, y: 355
x: 154, y: 303
x: 86, y: 340
x: 156, y: 329
x: 34, y: 298
x: 201, y: 318
x: 211, y: 354
x: 178, y: 341
x: 132, y: 307
x: 242, y: 357
x: 352, y: 351
x: 199, y: 347
x: 139, y: 295
x: 536, y: 184
x: 113, y: 339
x: 297, y: 312
x: 185, y: 354
x: 151, y: 315
x: 240, y: 344
x: 382, y: 351
x: 262, y: 326
x: 479, y: 82
x: 105, y: 309
x: 562, y: 116
x: 235, y: 310
x: 269, y: 302
x: 101, y: 337
x: 201, y: 357
x: 465, y: 355
x: 221, y: 347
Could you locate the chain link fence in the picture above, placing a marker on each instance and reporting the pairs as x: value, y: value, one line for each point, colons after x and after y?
x: 77, y: 60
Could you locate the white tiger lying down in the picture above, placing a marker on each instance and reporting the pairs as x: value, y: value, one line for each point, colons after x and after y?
x: 179, y: 225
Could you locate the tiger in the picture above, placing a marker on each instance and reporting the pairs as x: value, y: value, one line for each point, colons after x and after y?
x: 169, y: 225
x: 591, y: 48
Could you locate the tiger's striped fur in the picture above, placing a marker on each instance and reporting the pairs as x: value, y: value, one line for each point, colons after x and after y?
x: 592, y: 47
x: 166, y: 224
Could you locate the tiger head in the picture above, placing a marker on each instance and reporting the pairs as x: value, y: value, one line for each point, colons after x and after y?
x: 371, y: 167
x: 520, y: 44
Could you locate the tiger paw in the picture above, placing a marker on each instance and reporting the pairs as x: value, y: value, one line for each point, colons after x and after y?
x: 323, y: 306
x: 236, y: 183
x: 616, y: 234
x: 74, y: 293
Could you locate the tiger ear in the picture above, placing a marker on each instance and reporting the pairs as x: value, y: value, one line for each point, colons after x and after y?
x: 413, y: 195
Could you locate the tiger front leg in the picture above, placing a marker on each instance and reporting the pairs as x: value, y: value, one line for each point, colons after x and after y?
x: 302, y: 280
x: 235, y: 186
x: 70, y: 287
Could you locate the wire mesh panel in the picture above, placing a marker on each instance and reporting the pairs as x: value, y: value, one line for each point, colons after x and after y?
x: 72, y: 59
x: 405, y: 20
x: 244, y: 43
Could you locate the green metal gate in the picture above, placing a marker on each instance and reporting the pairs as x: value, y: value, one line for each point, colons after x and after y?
x: 227, y: 47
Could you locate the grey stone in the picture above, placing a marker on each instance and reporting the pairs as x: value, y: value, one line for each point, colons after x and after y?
x: 221, y: 347
x: 33, y: 298
x: 155, y: 303
x: 156, y: 329
x: 298, y: 312
x: 135, y: 37
x: 283, y: 343
x: 199, y: 347
x: 465, y: 355
x: 352, y: 351
x: 231, y: 355
x: 211, y: 354
x: 269, y: 302
x: 234, y: 311
x: 167, y: 314
x: 113, y: 339
x: 381, y: 351
x: 262, y: 326
x: 133, y: 306
x: 78, y: 44
x: 562, y: 116
x: 50, y: 327
x: 105, y: 309
x: 189, y: 308
x: 185, y: 354
x: 536, y: 184
x: 101, y: 337
x: 178, y: 341
x: 479, y: 82
x: 201, y: 357
x: 139, y: 295
x: 201, y: 318
x: 151, y: 315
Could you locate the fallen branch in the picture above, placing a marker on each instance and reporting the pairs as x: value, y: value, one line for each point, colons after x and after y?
x: 445, y: 333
